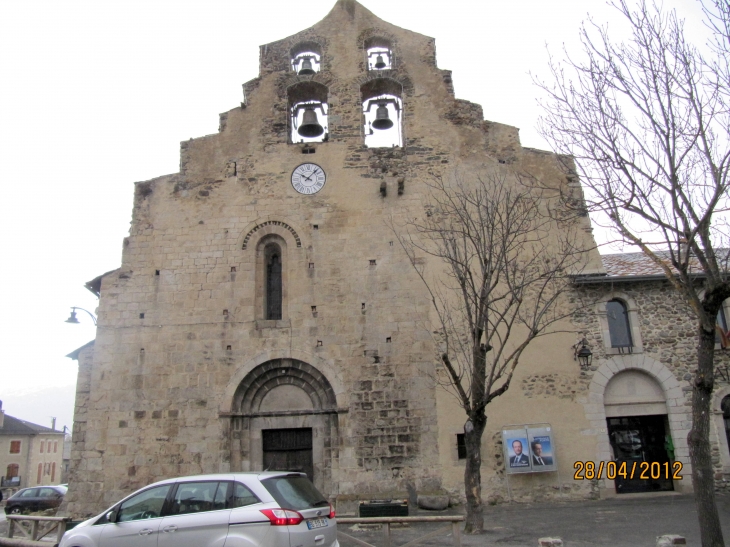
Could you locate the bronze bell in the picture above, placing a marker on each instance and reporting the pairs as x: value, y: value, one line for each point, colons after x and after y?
x: 306, y: 67
x: 379, y: 63
x: 382, y: 121
x: 310, y: 125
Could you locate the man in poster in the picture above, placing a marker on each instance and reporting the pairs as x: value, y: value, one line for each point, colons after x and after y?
x: 537, y: 457
x: 519, y: 459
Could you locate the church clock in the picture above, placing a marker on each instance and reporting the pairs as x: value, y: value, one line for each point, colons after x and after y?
x: 308, y: 178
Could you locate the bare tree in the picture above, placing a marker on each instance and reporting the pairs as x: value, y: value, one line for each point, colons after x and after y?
x: 648, y: 123
x: 503, y: 266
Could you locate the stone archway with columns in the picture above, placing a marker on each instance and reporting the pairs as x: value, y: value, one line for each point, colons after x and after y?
x: 283, y: 391
x: 678, y: 413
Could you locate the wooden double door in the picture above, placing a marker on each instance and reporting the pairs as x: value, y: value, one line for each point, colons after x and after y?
x: 288, y: 450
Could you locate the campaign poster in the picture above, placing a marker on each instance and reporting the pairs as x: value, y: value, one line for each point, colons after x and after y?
x: 516, y: 451
x: 542, y: 449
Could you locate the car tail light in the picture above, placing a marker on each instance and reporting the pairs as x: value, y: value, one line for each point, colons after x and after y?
x: 282, y: 517
x: 332, y: 512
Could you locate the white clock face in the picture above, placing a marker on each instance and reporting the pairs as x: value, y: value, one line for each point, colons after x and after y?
x: 308, y: 178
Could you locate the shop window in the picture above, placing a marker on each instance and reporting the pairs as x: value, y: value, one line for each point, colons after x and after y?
x: 618, y: 325
x: 382, y: 108
x: 15, y: 447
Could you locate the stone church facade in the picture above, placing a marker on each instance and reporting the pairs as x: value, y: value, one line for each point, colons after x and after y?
x: 264, y: 315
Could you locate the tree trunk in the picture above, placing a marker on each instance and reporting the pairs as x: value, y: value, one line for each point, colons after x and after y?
x: 699, y: 443
x: 473, y: 475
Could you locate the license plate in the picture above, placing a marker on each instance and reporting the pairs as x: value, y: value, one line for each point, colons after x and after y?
x: 316, y: 523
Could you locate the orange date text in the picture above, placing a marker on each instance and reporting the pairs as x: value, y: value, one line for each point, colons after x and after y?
x: 627, y: 470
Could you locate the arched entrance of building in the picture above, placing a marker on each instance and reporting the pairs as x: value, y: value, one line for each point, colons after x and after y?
x: 284, y: 418
x: 639, y: 433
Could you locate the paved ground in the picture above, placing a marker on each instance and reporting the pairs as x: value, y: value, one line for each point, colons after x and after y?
x: 620, y: 522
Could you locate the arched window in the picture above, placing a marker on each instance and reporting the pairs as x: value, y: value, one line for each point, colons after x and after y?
x: 273, y: 281
x: 379, y: 53
x: 618, y: 325
x: 53, y: 471
x: 12, y: 471
x: 725, y: 405
x: 40, y: 473
x: 306, y: 58
x: 308, y: 112
x: 382, y: 107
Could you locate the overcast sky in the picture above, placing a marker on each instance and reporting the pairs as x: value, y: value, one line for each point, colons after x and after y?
x: 98, y: 94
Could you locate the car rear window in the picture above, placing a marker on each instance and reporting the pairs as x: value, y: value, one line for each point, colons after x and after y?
x: 294, y: 492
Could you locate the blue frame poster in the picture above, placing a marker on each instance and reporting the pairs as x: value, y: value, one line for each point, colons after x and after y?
x: 529, y: 449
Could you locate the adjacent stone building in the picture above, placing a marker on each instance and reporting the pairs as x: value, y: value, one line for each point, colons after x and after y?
x: 30, y: 454
x: 263, y: 317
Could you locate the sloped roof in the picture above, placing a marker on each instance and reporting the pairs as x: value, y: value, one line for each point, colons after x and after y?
x: 15, y: 426
x: 625, y: 264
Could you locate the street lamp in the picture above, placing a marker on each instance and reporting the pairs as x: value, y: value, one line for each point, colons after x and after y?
x: 583, y: 354
x: 72, y: 317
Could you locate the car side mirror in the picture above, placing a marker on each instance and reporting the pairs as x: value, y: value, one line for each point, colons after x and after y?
x: 111, y: 516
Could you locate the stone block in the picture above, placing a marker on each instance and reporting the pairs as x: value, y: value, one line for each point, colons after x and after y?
x: 433, y: 503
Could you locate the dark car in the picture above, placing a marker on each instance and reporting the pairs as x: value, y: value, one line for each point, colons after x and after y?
x: 38, y: 498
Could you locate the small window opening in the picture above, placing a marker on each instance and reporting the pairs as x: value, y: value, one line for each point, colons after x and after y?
x: 461, y: 445
x: 618, y: 325
x: 380, y: 58
x: 272, y: 255
x: 306, y: 63
x: 141, y: 315
x: 315, y: 226
x: 388, y: 340
x: 308, y: 149
x: 372, y: 262
x: 308, y: 112
x: 233, y: 268
x: 383, y: 122
x: 228, y: 348
x: 157, y: 272
x: 319, y: 343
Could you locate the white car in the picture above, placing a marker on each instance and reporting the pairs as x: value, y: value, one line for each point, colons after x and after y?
x: 268, y: 509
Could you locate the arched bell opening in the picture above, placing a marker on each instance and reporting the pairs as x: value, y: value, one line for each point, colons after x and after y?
x: 382, y: 108
x: 379, y: 53
x: 308, y: 111
x: 306, y: 58
x: 284, y: 418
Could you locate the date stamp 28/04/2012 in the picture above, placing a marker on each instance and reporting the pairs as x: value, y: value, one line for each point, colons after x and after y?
x: 627, y: 470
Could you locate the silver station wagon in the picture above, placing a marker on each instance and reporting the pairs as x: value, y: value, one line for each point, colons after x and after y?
x: 269, y: 509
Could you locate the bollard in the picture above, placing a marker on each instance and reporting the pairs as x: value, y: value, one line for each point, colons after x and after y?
x: 670, y: 539
x: 550, y: 542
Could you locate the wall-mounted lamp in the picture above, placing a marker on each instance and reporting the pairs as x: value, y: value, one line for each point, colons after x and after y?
x: 72, y: 317
x: 583, y: 354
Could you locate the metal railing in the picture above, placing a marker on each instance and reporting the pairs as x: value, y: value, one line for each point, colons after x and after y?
x: 454, y: 527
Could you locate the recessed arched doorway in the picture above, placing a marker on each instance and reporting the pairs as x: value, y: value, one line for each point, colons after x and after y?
x: 639, y: 433
x: 284, y: 417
